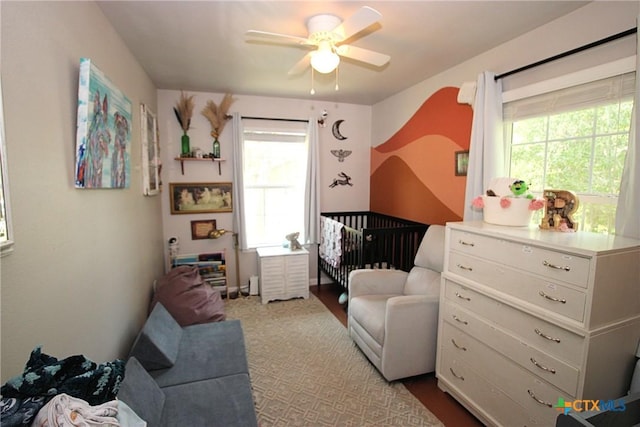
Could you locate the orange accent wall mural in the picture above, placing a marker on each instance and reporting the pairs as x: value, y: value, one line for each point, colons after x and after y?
x: 413, y: 173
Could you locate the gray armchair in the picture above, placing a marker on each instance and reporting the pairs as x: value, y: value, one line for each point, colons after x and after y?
x: 393, y: 315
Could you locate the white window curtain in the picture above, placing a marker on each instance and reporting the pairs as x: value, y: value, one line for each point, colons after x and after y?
x: 627, y: 221
x: 312, y: 190
x: 239, y: 224
x: 486, y: 152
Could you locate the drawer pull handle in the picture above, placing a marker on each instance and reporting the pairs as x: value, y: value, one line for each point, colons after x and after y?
x: 544, y: 368
x: 462, y: 242
x: 460, y: 377
x: 458, y: 346
x: 557, y: 267
x: 457, y: 319
x: 462, y: 267
x: 550, y: 298
x: 546, y: 336
x: 463, y: 297
x: 542, y: 402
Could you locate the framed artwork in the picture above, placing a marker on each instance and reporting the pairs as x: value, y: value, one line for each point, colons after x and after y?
x: 462, y: 163
x: 150, y: 152
x: 103, y: 137
x: 201, y: 229
x: 200, y: 197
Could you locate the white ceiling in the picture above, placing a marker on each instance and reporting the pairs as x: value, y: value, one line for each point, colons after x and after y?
x: 201, y: 45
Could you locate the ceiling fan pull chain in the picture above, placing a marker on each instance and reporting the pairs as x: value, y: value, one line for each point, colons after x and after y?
x: 337, y: 68
x: 313, y: 91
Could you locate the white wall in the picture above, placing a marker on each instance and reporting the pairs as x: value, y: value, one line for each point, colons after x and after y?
x: 356, y: 127
x: 79, y: 279
x: 592, y: 22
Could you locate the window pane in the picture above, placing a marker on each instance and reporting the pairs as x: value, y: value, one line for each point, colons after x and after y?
x: 274, y: 179
x: 569, y: 165
x: 527, y: 163
x: 609, y: 154
x: 530, y: 130
x: 571, y: 124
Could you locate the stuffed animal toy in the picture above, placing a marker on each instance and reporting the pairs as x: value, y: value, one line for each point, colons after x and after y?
x: 519, y: 188
x: 294, y: 245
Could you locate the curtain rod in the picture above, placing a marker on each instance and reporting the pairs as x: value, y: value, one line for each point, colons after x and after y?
x: 570, y: 52
x: 274, y: 119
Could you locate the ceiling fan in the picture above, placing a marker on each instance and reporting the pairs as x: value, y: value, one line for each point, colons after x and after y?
x: 328, y: 35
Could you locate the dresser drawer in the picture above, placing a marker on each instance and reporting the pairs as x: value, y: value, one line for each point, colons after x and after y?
x: 555, y: 371
x: 535, y: 332
x: 535, y: 397
x: 554, y: 265
x: 536, y: 290
x: 465, y: 381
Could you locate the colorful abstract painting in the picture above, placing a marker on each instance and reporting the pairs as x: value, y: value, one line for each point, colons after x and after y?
x: 103, y: 140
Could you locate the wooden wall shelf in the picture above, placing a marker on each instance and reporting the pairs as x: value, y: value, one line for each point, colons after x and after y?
x: 194, y: 159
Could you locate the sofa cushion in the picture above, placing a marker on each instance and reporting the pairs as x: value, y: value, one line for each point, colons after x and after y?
x: 158, y: 342
x: 216, y: 349
x: 218, y: 402
x: 141, y: 393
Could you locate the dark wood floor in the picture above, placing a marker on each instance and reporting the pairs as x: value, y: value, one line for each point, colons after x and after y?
x: 423, y: 387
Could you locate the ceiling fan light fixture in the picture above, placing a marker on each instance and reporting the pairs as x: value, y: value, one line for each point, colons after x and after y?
x: 324, y: 60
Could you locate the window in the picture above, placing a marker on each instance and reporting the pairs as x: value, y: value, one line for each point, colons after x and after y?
x: 6, y: 238
x: 274, y: 174
x: 574, y: 139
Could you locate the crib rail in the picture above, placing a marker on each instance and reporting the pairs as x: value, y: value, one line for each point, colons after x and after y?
x: 373, y: 240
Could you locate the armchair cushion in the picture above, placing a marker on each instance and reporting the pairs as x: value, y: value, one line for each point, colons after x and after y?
x: 422, y: 281
x: 370, y: 312
x: 431, y: 250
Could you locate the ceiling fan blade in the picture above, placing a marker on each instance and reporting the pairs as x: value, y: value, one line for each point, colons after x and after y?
x: 275, y: 37
x: 363, y: 55
x: 357, y: 22
x: 300, y: 65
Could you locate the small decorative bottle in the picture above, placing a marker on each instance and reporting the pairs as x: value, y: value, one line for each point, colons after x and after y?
x: 185, y: 150
x: 216, y: 148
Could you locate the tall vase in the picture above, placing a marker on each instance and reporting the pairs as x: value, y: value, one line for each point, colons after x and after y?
x: 216, y: 149
x: 186, y: 150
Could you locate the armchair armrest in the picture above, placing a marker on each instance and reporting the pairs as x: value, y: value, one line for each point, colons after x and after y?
x: 411, y: 329
x: 373, y: 281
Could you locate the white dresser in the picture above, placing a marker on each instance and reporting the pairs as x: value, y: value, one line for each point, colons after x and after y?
x: 284, y: 274
x: 528, y: 317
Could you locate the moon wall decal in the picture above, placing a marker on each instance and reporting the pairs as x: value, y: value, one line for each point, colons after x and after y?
x: 335, y: 129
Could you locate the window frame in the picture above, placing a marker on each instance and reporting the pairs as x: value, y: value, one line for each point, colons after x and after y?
x: 6, y: 246
x: 603, y: 71
x: 278, y: 134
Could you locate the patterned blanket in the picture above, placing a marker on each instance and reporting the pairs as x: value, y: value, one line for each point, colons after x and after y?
x: 45, y: 376
x: 330, y: 248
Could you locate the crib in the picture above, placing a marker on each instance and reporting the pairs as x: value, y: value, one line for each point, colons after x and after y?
x: 364, y: 239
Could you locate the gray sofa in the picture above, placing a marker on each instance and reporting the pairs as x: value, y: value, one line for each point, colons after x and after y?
x: 189, y: 376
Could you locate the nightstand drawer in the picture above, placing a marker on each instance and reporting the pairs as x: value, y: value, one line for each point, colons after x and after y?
x: 553, y: 265
x: 536, y: 290
x: 543, y: 335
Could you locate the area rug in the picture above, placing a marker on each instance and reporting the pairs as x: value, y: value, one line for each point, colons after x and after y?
x: 306, y: 371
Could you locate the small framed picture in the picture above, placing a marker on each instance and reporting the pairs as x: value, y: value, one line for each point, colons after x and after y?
x: 201, y: 229
x: 462, y: 163
x: 200, y: 197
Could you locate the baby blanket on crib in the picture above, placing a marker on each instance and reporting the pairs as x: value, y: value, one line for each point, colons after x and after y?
x: 330, y: 248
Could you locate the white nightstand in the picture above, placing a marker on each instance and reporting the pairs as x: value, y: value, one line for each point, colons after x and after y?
x: 284, y: 274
